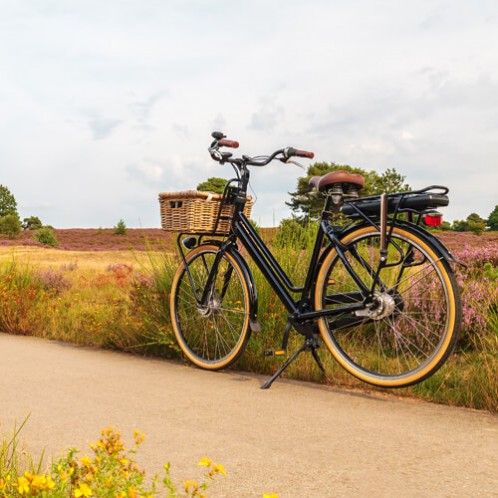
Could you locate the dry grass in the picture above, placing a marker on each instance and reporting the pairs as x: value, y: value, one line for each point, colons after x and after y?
x: 56, y: 259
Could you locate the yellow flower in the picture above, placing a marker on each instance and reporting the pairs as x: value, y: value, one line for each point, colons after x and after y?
x: 205, y: 462
x: 139, y: 436
x: 132, y: 493
x: 22, y: 485
x: 4, y: 482
x: 273, y: 495
x: 42, y: 482
x: 83, y: 491
x: 218, y: 468
x: 190, y: 484
x: 86, y: 462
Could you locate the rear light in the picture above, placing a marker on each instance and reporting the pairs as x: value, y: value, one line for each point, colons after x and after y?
x: 433, y: 219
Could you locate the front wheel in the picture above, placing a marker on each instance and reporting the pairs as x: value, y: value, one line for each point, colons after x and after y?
x: 213, y: 334
x: 408, y: 327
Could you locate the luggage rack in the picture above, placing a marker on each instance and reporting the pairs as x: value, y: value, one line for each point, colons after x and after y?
x: 415, y: 201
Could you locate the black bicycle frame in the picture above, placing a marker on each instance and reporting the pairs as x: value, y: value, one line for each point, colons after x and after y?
x: 279, y: 280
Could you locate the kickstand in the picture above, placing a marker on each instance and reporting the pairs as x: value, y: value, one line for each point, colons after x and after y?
x: 309, y: 344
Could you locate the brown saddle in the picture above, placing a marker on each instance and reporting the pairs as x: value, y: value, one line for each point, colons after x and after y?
x: 324, y: 182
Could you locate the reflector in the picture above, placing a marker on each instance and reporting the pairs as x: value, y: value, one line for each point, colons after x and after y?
x: 434, y: 219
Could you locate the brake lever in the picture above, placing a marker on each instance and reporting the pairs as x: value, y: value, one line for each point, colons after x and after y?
x: 292, y: 161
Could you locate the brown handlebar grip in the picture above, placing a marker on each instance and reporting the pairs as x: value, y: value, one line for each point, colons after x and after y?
x: 228, y: 143
x: 305, y: 153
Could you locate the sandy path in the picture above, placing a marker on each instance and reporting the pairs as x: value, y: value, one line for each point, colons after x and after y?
x: 296, y: 439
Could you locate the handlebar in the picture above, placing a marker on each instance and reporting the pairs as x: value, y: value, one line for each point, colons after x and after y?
x: 220, y: 140
x: 228, y: 143
x: 290, y: 152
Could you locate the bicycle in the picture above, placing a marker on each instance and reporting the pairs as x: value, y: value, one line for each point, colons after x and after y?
x: 380, y: 292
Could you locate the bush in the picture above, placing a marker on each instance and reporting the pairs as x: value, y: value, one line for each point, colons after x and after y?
x: 10, y: 225
x: 294, y: 233
x: 120, y: 228
x: 46, y: 236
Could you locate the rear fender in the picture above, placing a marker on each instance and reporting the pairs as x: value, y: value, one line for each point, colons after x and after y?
x: 425, y: 235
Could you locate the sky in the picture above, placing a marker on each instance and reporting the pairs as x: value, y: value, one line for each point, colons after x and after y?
x: 105, y: 104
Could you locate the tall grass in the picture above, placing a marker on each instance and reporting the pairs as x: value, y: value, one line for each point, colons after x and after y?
x: 123, y: 303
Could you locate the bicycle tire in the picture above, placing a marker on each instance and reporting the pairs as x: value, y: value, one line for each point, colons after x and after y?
x: 414, y: 325
x: 214, y: 336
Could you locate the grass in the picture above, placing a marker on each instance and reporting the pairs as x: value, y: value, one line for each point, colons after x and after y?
x: 120, y: 300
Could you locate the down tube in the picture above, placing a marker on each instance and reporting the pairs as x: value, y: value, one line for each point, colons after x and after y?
x: 252, y: 242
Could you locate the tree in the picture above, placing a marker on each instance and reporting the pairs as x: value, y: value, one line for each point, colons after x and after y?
x: 391, y: 181
x: 213, y: 184
x: 32, y: 223
x: 10, y: 225
x: 8, y: 204
x: 493, y: 219
x: 308, y: 203
x: 475, y: 224
x: 120, y: 228
x: 459, y: 226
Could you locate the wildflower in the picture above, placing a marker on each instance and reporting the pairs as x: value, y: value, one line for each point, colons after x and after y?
x: 191, y: 485
x: 206, y: 462
x: 22, y: 485
x: 132, y: 493
x: 86, y: 462
x: 83, y: 491
x: 42, y: 482
x: 4, y: 482
x: 219, y: 469
x: 139, y: 437
x: 273, y: 495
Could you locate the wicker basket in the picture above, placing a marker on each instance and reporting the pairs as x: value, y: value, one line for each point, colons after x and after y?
x: 196, y: 212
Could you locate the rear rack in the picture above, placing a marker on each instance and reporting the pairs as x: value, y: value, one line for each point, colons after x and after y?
x: 416, y: 201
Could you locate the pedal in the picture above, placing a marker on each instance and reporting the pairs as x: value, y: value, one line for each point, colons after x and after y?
x: 275, y: 352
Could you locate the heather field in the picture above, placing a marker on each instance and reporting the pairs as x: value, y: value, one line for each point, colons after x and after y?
x: 106, y: 290
x: 98, y: 239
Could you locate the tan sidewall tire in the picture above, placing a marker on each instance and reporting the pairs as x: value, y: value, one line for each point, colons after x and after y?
x: 196, y: 360
x: 418, y: 374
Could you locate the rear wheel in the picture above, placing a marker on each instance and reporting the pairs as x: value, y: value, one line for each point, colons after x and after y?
x: 213, y: 335
x: 408, y: 328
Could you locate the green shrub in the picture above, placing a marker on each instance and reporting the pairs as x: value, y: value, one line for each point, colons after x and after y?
x: 120, y: 228
x: 10, y: 225
x: 294, y: 233
x: 46, y: 236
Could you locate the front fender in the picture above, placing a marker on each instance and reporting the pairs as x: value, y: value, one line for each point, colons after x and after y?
x: 247, y: 273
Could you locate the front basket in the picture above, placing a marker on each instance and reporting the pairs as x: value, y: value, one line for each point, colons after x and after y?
x: 193, y: 211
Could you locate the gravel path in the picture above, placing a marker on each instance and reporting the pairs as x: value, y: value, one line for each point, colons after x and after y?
x: 296, y: 439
